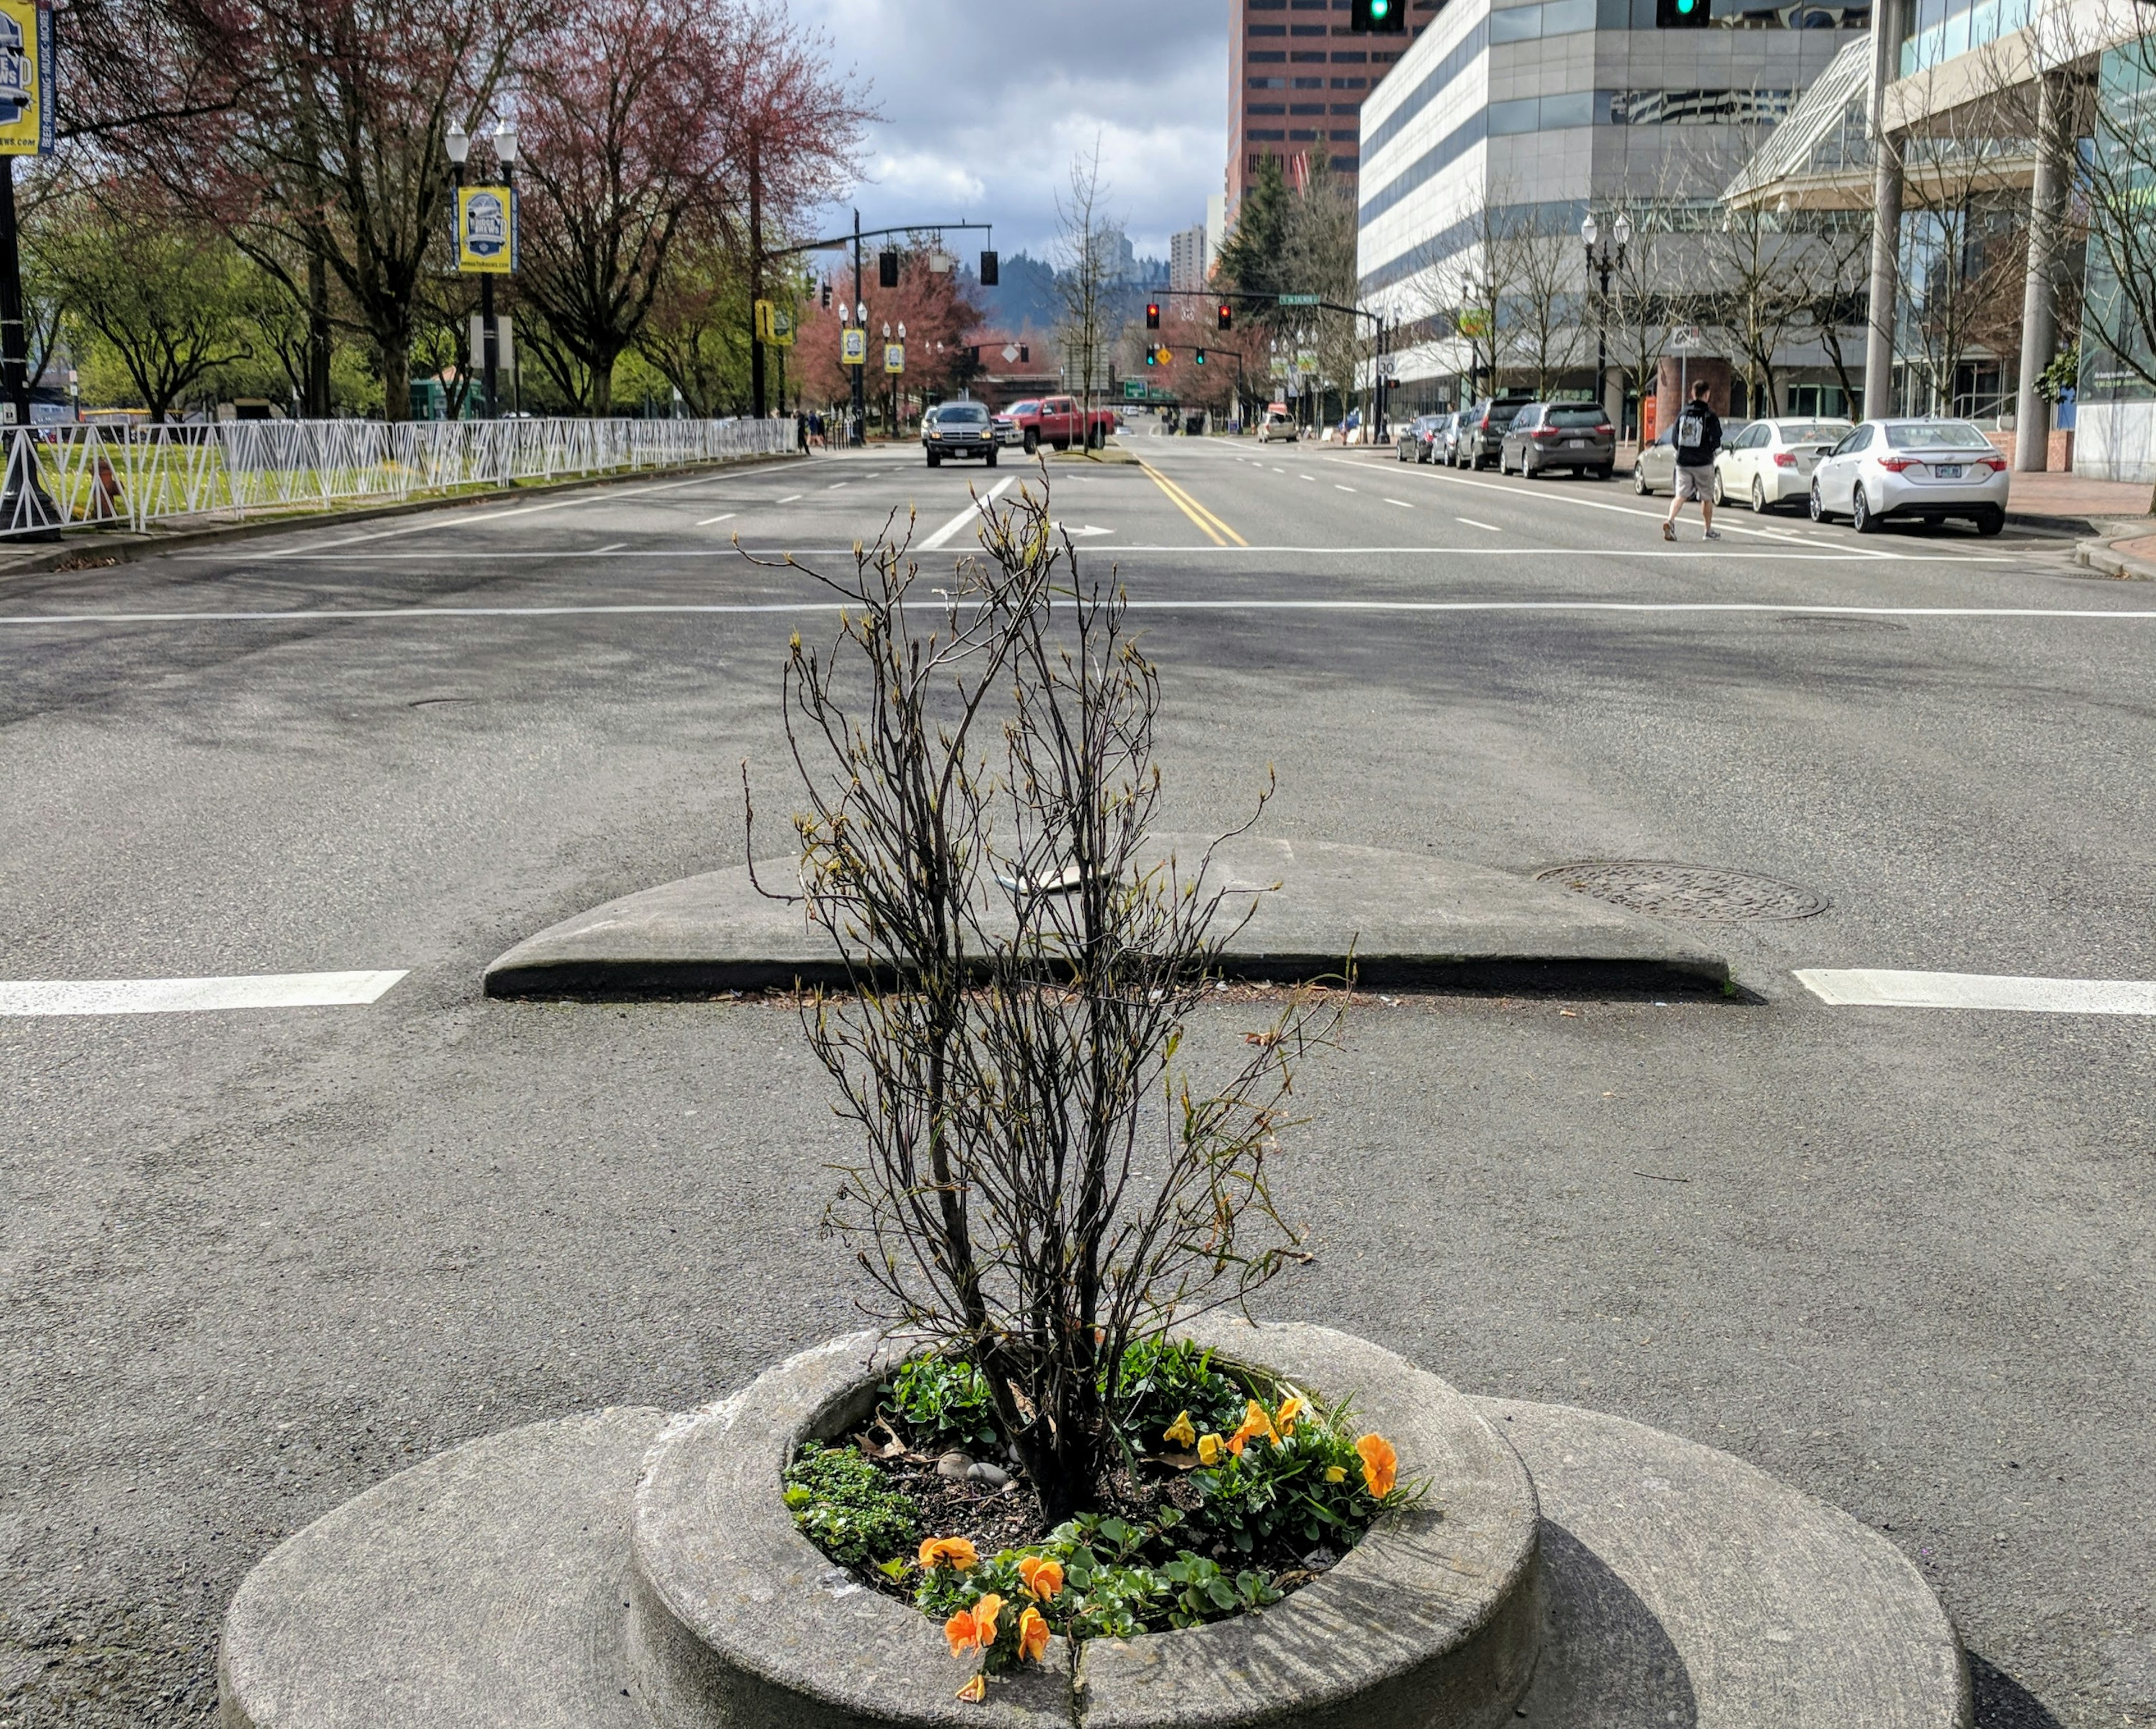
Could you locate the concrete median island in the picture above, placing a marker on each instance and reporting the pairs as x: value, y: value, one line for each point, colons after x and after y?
x: 1412, y: 922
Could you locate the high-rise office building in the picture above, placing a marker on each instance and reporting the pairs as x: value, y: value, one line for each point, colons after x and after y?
x: 1296, y: 79
x: 1187, y: 259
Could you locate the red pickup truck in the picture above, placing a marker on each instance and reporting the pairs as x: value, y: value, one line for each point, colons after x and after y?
x: 1059, y: 422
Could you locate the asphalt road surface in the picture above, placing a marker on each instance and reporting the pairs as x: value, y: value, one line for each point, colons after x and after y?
x: 255, y: 1259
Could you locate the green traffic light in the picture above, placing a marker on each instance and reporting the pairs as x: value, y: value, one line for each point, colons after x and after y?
x: 1380, y: 9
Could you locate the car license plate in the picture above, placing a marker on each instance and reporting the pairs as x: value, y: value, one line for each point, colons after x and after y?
x: 1576, y: 443
x: 1948, y: 470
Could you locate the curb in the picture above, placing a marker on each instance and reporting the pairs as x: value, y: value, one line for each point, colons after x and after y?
x: 132, y: 548
x: 2097, y: 555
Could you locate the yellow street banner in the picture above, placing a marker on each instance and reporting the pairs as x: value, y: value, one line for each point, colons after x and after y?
x: 27, y: 96
x: 486, y: 227
x: 894, y: 356
x: 854, y: 347
x: 774, y: 324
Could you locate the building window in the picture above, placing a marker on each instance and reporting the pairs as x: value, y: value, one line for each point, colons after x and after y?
x: 1299, y: 59
x: 1351, y: 83
x: 1310, y: 83
x: 1344, y: 164
x: 1341, y: 58
x: 1264, y: 135
x: 1268, y: 29
x: 1344, y: 137
x: 1347, y: 107
x: 1308, y: 30
x: 1269, y: 83
x: 1270, y: 57
x: 1308, y: 108
x: 1699, y: 108
x: 1268, y: 108
x: 1299, y: 136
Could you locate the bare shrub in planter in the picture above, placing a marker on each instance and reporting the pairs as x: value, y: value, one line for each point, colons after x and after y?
x: 1040, y: 1184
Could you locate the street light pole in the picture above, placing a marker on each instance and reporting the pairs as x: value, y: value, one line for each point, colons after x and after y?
x: 505, y: 152
x: 1600, y: 261
x: 861, y: 316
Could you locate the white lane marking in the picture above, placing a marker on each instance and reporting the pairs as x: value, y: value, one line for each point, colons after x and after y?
x: 709, y: 520
x: 1472, y: 523
x: 836, y: 485
x: 1402, y: 503
x: 599, y: 495
x: 172, y: 996
x: 1884, y: 988
x: 615, y: 547
x: 1312, y: 478
x: 331, y: 615
x: 973, y: 512
x: 790, y: 498
x: 1338, y: 487
x: 1282, y: 471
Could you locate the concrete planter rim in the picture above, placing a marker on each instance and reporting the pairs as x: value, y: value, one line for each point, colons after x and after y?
x: 1450, y: 1585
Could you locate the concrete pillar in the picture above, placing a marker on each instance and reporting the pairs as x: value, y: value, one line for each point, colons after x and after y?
x: 2047, y: 203
x: 1887, y: 16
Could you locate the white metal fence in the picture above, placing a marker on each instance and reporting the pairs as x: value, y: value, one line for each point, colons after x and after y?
x: 59, y: 476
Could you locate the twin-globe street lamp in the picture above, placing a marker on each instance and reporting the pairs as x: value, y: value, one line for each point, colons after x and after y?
x: 1603, y: 261
x: 488, y: 260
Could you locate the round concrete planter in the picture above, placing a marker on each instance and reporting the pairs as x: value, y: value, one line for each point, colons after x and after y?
x: 1433, y: 1620
x: 623, y: 1569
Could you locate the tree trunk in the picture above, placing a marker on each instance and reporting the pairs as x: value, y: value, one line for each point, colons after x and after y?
x: 396, y: 352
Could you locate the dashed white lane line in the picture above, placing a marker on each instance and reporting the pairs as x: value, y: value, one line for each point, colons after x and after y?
x: 1472, y: 523
x: 709, y: 520
x: 790, y: 498
x: 1401, y: 502
x: 1338, y: 487
x: 973, y: 512
x: 1877, y: 987
x: 612, y: 546
x: 175, y: 996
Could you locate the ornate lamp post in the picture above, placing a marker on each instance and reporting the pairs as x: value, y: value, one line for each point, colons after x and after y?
x: 1601, y: 261
x: 458, y: 144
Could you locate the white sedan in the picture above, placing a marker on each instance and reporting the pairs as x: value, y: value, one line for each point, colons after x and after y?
x: 1925, y: 470
x: 1770, y: 462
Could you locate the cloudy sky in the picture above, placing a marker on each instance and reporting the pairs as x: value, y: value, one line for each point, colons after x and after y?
x: 984, y: 106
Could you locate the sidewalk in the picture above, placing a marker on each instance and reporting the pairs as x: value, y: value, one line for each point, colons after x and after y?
x: 2075, y: 503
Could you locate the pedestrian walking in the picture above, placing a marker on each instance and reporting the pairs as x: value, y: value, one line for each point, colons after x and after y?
x: 1698, y: 437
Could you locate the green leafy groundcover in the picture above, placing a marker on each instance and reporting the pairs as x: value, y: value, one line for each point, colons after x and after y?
x: 1278, y: 1487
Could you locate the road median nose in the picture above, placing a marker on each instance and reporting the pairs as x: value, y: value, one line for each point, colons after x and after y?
x: 1410, y: 921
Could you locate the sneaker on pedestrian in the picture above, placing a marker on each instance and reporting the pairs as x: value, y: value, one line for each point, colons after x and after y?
x: 1713, y: 534
x: 1669, y: 530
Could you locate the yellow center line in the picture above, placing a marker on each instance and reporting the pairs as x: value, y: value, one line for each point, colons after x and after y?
x: 1213, y: 526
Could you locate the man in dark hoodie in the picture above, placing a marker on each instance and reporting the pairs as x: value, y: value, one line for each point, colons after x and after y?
x: 1698, y: 437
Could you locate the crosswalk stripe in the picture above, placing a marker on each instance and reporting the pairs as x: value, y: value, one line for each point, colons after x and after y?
x: 174, y: 996
x: 1879, y: 987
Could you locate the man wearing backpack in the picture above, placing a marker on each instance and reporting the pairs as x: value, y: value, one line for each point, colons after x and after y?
x: 1698, y: 437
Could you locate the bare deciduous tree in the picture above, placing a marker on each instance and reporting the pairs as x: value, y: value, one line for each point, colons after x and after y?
x: 1038, y: 1184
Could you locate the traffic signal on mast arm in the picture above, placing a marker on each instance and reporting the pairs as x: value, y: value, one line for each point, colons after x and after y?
x: 1199, y: 356
x: 1153, y: 315
x: 1682, y: 15
x: 1384, y: 17
x: 1227, y: 316
x: 826, y: 293
x: 887, y: 268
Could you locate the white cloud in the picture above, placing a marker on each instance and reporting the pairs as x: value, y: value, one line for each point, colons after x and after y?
x: 985, y: 107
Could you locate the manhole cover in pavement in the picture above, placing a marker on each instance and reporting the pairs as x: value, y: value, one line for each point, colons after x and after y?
x: 1686, y: 891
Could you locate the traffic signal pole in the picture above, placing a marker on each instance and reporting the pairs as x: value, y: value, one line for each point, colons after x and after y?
x: 860, y: 387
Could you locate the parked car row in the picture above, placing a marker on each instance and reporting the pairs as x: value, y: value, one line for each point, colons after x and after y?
x: 1875, y: 472
x: 1501, y: 431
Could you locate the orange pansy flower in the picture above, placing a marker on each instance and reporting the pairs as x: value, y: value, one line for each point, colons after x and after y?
x: 955, y: 1551
x: 1381, y: 1464
x: 1042, y: 1577
x: 984, y: 1619
x: 1255, y: 1423
x: 1032, y: 1635
x: 963, y: 1634
x: 1284, y: 1417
